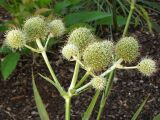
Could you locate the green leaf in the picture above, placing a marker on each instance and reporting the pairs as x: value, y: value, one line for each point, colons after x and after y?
x: 155, y: 26
x: 2, y: 2
x: 135, y: 116
x: 9, y: 64
x: 88, y: 113
x: 108, y: 21
x: 44, y: 2
x: 154, y: 5
x: 146, y: 17
x: 2, y: 28
x: 39, y: 103
x: 85, y: 16
x: 157, y: 117
x: 61, y: 5
x: 5, y: 50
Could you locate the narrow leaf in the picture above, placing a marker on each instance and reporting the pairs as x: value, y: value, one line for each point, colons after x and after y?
x: 146, y: 17
x: 139, y: 110
x: 9, y: 64
x: 90, y: 108
x: 39, y: 103
x: 154, y: 5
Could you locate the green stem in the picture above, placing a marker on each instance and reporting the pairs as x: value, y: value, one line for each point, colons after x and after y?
x: 83, y: 79
x: 39, y: 44
x: 75, y: 76
x: 112, y: 67
x: 105, y: 95
x: 70, y: 94
x: 84, y: 87
x: 67, y: 108
x: 133, y: 2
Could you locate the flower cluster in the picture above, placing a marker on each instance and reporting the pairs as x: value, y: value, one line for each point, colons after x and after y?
x: 82, y: 45
x: 96, y: 55
x: 34, y: 28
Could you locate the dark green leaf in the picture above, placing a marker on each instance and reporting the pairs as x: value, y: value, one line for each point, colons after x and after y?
x: 157, y: 117
x: 139, y: 110
x: 90, y: 108
x: 39, y: 103
x: 5, y: 50
x: 2, y: 28
x: 52, y: 42
x: 44, y: 2
x: 61, y: 5
x: 86, y: 16
x: 73, y: 27
x: 156, y: 26
x: 2, y: 2
x: 108, y: 21
x: 9, y: 64
x: 154, y: 5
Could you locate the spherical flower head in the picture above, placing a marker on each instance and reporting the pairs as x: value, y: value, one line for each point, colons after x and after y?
x: 98, y: 55
x: 57, y: 28
x: 98, y: 83
x: 127, y: 49
x: 35, y: 27
x: 147, y: 66
x: 81, y: 37
x: 69, y: 51
x: 15, y: 39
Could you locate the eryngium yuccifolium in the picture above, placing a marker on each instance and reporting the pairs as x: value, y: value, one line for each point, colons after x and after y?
x: 69, y: 51
x: 98, y: 55
x: 147, y: 66
x: 81, y: 37
x: 57, y: 28
x: 98, y: 83
x: 127, y: 48
x: 35, y: 27
x: 15, y: 39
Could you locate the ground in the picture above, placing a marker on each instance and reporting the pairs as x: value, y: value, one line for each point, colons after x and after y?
x: 129, y: 89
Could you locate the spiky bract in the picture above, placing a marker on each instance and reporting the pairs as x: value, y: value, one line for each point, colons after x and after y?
x: 127, y: 48
x: 147, y: 66
x: 35, y: 27
x: 81, y: 37
x: 98, y: 55
x: 69, y: 51
x: 98, y: 83
x: 57, y: 28
x: 15, y: 39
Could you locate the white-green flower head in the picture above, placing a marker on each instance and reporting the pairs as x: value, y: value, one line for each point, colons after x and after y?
x: 69, y: 51
x: 35, y: 27
x: 98, y: 55
x: 15, y: 39
x: 147, y: 66
x: 81, y: 37
x: 127, y: 48
x: 98, y: 83
x: 57, y: 28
